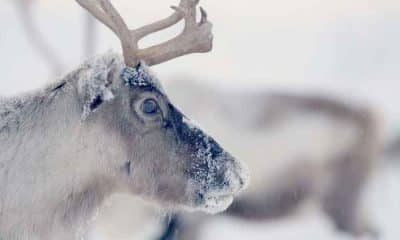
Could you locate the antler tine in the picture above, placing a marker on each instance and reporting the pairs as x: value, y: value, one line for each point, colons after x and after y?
x: 195, y: 38
x: 115, y: 17
x: 189, y: 6
x: 203, y: 16
x: 105, y: 12
x: 159, y: 25
x: 186, y: 10
x: 98, y: 13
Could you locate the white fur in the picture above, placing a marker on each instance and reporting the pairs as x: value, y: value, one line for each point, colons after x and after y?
x: 51, y: 171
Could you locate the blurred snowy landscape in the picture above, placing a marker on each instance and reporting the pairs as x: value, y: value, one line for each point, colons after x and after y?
x: 382, y: 200
x: 346, y: 49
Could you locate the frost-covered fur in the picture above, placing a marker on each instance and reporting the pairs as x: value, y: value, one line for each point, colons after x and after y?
x: 297, y: 147
x: 66, y: 148
x: 48, y: 173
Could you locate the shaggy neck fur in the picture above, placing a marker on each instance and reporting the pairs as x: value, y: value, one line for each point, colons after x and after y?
x: 44, y: 194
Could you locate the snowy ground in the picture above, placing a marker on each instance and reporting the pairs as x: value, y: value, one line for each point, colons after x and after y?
x: 345, y: 48
x: 382, y: 199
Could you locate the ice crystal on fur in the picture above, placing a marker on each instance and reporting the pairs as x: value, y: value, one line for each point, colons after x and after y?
x: 95, y: 82
x: 206, y: 166
x: 138, y: 76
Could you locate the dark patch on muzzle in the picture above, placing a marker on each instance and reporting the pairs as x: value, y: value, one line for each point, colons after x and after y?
x: 191, y: 134
x: 208, y: 159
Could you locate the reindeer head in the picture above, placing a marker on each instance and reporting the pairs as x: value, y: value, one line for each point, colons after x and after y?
x: 168, y: 159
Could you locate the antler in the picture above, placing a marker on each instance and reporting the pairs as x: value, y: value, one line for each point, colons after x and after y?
x: 196, y: 37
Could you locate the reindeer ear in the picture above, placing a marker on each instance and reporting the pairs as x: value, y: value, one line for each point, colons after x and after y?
x: 95, y: 89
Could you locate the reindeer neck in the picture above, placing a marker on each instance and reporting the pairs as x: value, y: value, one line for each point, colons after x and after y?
x: 42, y: 167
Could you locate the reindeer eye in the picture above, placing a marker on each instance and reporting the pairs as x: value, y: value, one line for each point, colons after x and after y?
x: 149, y: 106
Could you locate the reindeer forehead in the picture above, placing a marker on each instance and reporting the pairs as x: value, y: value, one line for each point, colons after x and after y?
x: 140, y: 77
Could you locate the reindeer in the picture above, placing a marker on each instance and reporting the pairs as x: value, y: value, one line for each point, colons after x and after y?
x: 109, y: 127
x: 299, y: 148
x: 300, y: 176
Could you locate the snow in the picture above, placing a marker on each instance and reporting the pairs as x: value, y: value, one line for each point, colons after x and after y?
x: 95, y: 81
x: 204, y: 158
x: 139, y: 76
x: 383, y: 201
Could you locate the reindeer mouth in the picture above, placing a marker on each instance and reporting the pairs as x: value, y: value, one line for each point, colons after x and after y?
x: 218, y: 184
x: 218, y: 198
x: 216, y: 204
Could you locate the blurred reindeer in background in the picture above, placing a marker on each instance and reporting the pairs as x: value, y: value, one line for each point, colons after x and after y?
x: 298, y: 147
